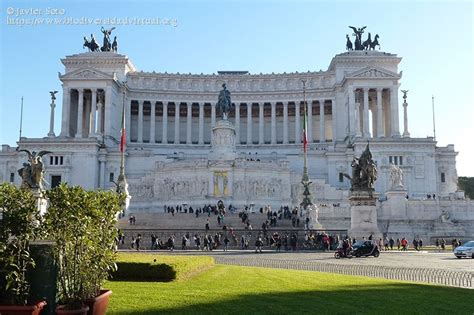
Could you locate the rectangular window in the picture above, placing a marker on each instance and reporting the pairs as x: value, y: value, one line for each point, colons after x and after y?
x: 341, y: 177
x: 61, y: 160
x: 401, y: 160
x: 390, y: 160
x: 443, y: 178
x: 12, y: 177
x: 51, y: 160
x: 111, y: 177
x: 55, y: 180
x: 396, y: 160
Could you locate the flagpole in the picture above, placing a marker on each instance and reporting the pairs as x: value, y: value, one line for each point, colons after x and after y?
x: 122, y: 185
x: 21, y: 117
x: 434, y: 126
x: 305, y: 179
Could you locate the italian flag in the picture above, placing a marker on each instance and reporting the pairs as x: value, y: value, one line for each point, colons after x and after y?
x: 123, y: 137
x: 305, y: 129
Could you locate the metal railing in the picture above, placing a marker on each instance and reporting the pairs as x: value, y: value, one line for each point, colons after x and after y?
x: 462, y: 279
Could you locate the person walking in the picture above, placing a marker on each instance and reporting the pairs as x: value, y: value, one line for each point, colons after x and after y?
x: 226, y: 243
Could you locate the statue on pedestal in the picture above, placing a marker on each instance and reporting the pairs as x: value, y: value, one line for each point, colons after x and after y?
x: 32, y: 172
x: 364, y: 172
x: 396, y: 177
x: 224, y: 103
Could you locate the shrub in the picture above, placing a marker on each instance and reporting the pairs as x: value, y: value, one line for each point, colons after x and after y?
x: 82, y: 223
x: 18, y: 227
x: 145, y: 267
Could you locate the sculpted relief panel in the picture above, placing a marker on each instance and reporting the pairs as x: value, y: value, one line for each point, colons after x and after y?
x: 258, y: 188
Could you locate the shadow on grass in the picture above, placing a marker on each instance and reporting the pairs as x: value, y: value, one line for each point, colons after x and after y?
x: 392, y: 298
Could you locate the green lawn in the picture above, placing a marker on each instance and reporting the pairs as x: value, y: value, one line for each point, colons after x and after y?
x: 251, y: 290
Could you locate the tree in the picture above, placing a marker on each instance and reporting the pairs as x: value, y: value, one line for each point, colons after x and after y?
x: 467, y: 184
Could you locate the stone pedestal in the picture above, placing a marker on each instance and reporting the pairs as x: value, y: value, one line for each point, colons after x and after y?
x: 41, y: 202
x: 364, y: 215
x: 223, y: 141
x: 397, y: 204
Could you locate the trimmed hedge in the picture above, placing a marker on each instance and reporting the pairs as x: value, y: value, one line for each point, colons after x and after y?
x: 147, y: 267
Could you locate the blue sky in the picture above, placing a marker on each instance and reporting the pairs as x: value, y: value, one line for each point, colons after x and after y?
x: 435, y: 39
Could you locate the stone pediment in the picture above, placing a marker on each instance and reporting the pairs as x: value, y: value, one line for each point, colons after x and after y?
x: 86, y: 74
x: 374, y: 73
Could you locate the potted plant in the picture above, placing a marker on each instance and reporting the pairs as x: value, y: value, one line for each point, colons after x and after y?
x: 19, y: 218
x: 82, y: 223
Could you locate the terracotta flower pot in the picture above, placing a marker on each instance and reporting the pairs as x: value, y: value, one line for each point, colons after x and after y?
x: 22, y: 310
x: 99, y: 304
x: 61, y: 309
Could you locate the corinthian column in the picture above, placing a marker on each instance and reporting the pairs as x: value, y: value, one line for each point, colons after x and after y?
x: 201, y: 123
x: 285, y: 122
x: 394, y: 111
x: 152, y: 122
x: 380, y: 132
x: 365, y: 117
x: 51, y: 120
x: 176, y: 122
x: 189, y: 119
x: 65, y: 112
x: 213, y: 115
x: 140, y: 121
x: 273, y: 125
x: 298, y: 130
x: 260, y: 123
x: 406, y: 134
x: 249, y: 123
x: 322, y: 122
x: 93, y: 113
x: 80, y: 113
x: 237, y: 123
x: 164, y: 133
x: 310, y: 121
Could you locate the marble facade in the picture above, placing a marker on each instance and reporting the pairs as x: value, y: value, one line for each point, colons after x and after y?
x: 170, y: 118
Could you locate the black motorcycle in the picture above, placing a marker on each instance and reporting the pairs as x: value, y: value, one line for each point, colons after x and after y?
x: 365, y: 248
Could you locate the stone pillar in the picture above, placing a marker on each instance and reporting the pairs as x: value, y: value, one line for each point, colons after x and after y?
x: 285, y: 122
x: 249, y: 123
x: 128, y: 119
x: 365, y: 117
x: 140, y: 121
x: 237, y: 123
x: 51, y: 121
x: 93, y: 114
x: 65, y: 112
x: 322, y: 122
x: 152, y: 121
x: 352, y: 112
x: 357, y: 120
x: 310, y: 121
x: 298, y: 130
x: 80, y: 113
x: 102, y: 159
x: 189, y: 119
x: 100, y: 114
x: 213, y: 115
x: 380, y: 132
x: 201, y: 123
x: 108, y: 110
x: 273, y: 125
x: 406, y: 134
x: 395, y: 126
x: 176, y: 122
x: 260, y: 124
x: 164, y: 133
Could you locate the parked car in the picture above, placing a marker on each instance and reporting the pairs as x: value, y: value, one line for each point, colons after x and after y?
x: 465, y: 250
x: 365, y: 248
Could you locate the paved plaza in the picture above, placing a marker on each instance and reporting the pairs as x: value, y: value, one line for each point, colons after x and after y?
x: 423, y: 259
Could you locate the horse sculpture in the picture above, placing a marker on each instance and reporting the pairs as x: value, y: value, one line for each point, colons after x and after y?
x: 367, y: 43
x: 375, y: 42
x: 348, y: 43
x: 91, y: 45
x: 364, y: 172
